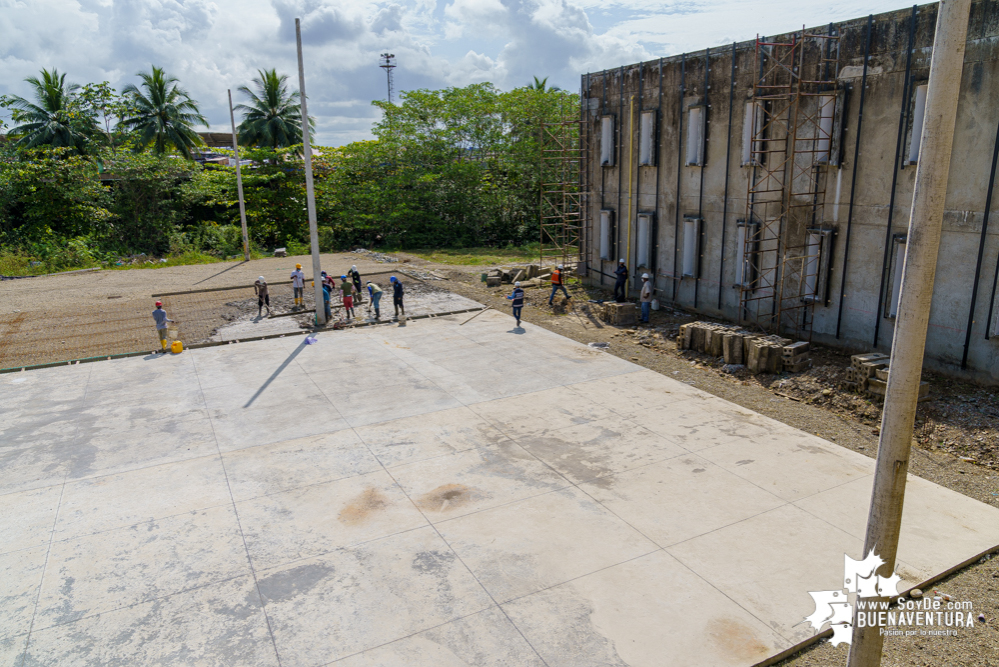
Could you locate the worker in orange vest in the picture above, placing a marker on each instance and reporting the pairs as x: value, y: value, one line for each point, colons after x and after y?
x: 557, y: 284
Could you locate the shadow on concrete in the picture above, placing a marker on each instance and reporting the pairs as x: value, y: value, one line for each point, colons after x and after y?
x: 280, y: 369
x: 238, y: 264
x: 518, y: 330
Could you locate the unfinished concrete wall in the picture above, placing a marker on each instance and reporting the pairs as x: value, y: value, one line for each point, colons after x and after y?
x: 857, y: 190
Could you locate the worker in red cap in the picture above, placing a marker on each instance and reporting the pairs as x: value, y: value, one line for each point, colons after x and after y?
x: 161, y: 324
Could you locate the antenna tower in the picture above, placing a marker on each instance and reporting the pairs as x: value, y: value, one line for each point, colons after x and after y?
x: 387, y: 63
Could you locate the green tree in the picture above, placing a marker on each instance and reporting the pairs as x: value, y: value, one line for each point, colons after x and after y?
x: 55, y: 120
x: 103, y: 103
x: 273, y: 117
x: 164, y: 114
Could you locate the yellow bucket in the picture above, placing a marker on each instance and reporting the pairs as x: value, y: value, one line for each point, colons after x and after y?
x: 176, y: 347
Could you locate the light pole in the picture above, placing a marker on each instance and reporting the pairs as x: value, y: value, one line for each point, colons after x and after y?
x: 310, y: 194
x: 239, y: 183
x: 387, y: 63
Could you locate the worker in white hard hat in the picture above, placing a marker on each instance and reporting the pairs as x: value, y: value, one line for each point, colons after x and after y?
x: 646, y: 297
x: 558, y: 283
x: 263, y: 296
x: 621, y: 284
x: 518, y: 301
x: 355, y: 277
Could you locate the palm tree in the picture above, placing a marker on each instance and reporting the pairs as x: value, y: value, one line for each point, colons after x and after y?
x: 164, y: 114
x: 55, y: 120
x: 542, y: 85
x: 273, y: 117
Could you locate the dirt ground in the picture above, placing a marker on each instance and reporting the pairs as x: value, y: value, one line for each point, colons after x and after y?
x: 957, y: 432
x: 94, y: 314
x: 956, y: 443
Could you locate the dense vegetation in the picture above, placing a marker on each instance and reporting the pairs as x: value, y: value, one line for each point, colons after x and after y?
x: 88, y: 175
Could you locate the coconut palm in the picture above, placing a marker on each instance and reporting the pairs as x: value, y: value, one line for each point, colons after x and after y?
x: 164, y: 115
x: 55, y: 120
x: 273, y: 117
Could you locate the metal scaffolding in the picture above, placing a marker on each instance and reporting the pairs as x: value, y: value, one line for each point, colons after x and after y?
x: 563, y: 191
x: 786, y: 246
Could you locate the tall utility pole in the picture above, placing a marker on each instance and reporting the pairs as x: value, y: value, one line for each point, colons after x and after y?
x: 239, y: 183
x: 310, y: 193
x: 387, y: 63
x: 918, y: 273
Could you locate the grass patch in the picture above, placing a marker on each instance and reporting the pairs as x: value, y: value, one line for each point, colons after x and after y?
x: 480, y: 256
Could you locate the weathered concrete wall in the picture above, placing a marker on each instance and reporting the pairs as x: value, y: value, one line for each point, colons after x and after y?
x: 857, y: 192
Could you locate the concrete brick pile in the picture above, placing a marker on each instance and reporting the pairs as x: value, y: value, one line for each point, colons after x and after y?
x: 868, y: 374
x: 531, y: 275
x: 757, y: 352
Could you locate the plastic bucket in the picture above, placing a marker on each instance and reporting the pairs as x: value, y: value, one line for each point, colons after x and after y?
x: 176, y: 347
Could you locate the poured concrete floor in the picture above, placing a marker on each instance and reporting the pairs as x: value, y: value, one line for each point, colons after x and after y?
x: 432, y: 494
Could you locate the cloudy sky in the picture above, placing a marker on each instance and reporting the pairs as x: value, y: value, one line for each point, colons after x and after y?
x: 212, y: 45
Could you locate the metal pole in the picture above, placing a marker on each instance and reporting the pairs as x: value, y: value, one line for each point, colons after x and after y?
x: 631, y: 169
x: 239, y: 183
x: 918, y: 273
x: 310, y: 194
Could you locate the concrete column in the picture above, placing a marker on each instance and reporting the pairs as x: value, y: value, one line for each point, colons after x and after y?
x: 918, y: 273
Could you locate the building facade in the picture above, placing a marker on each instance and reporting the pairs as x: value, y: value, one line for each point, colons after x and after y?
x: 770, y: 182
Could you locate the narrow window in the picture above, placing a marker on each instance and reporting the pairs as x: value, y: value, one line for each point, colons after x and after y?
x: 695, y: 136
x: 896, y: 287
x: 691, y: 230
x: 644, y: 240
x: 918, y: 111
x: 827, y: 112
x: 752, y: 122
x: 606, y: 234
x: 646, y: 142
x: 745, y: 240
x: 607, y: 141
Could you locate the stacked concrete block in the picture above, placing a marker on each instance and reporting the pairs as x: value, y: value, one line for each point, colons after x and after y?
x: 760, y: 354
x: 868, y: 374
x: 619, y: 313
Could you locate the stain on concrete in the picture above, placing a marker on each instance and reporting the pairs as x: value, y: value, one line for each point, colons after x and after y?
x: 744, y: 462
x: 433, y: 562
x: 362, y: 506
x: 446, y: 497
x: 288, y: 584
x: 734, y: 638
x: 698, y: 470
x: 577, y: 460
x: 811, y: 449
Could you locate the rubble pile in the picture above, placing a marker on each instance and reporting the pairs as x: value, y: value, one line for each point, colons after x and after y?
x: 868, y: 374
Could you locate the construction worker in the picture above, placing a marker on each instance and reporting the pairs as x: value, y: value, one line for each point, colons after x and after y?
x: 298, y: 285
x: 263, y: 296
x: 327, y: 288
x: 558, y: 283
x: 346, y: 288
x: 620, y: 285
x: 518, y: 300
x: 646, y: 298
x: 161, y: 324
x: 375, y: 294
x: 397, y: 294
x: 355, y: 277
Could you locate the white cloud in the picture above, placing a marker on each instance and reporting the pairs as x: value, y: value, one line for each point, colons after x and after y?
x: 212, y: 45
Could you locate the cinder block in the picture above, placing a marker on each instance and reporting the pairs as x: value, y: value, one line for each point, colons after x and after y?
x: 796, y: 349
x: 620, y: 313
x: 732, y: 348
x: 797, y: 366
x: 882, y: 373
x: 493, y: 281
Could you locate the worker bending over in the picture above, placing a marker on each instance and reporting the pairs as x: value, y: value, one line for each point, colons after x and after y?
x: 375, y: 294
x: 263, y: 296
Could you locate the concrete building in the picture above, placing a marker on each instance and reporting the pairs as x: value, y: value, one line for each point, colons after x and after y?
x: 770, y: 182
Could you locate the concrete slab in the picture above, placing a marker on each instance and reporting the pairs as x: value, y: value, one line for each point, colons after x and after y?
x: 428, y: 494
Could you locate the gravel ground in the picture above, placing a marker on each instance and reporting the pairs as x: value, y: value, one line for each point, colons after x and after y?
x: 958, y: 422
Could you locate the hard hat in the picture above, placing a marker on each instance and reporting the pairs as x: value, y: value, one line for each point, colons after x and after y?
x: 159, y: 303
x: 298, y: 266
x: 621, y: 261
x: 343, y: 277
x: 353, y: 268
x: 261, y: 279
x: 645, y: 276
x: 392, y: 279
x: 517, y: 284
x: 560, y: 266
x: 368, y: 282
